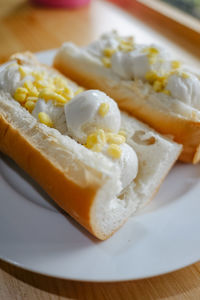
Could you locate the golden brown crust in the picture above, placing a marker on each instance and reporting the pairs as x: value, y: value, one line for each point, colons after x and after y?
x: 74, y: 199
x: 185, y: 132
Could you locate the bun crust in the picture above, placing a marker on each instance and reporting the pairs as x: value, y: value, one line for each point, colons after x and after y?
x: 54, y: 181
x: 130, y: 98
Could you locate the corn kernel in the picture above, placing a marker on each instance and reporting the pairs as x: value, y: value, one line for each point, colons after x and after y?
x: 106, y: 62
x: 30, y: 105
x: 97, y: 148
x: 151, y: 76
x: 122, y: 132
x: 153, y: 50
x: 20, y: 94
x: 33, y: 99
x: 32, y: 90
x: 103, y: 109
x: 167, y: 92
x: 65, y: 92
x: 113, y: 138
x: 45, y: 119
x: 91, y: 140
x: 79, y: 90
x: 125, y: 47
x: 152, y: 59
x: 157, y: 86
x: 101, y: 137
x: 175, y: 64
x: 59, y: 82
x: 108, y: 52
x: 97, y: 137
x: 59, y: 98
x: 22, y: 72
x: 114, y: 151
x: 184, y: 75
x: 38, y: 75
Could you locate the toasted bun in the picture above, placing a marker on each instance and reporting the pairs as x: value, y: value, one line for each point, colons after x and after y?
x: 84, y: 183
x: 133, y: 97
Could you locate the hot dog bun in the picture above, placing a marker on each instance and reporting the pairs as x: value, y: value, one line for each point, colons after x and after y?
x: 167, y: 115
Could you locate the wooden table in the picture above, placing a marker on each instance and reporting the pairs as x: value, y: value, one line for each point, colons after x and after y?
x: 23, y: 27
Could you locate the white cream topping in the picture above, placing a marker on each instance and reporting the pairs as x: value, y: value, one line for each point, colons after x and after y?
x: 10, y: 77
x: 185, y: 89
x: 79, y: 117
x: 56, y: 114
x: 128, y: 164
x: 135, y: 64
x: 83, y: 118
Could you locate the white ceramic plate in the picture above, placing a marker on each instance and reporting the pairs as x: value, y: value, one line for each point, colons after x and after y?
x: 36, y: 235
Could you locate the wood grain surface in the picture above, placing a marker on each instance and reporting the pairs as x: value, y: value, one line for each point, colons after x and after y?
x: 24, y: 26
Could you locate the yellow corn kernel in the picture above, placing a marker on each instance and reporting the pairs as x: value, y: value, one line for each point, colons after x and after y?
x: 30, y: 105
x: 60, y: 82
x: 101, y: 137
x: 20, y: 94
x: 94, y: 138
x: 91, y: 140
x: 175, y: 64
x: 157, y: 86
x: 114, y: 151
x: 113, y: 138
x: 79, y: 90
x: 153, y: 50
x: 46, y: 94
x: 65, y: 92
x: 167, y: 92
x: 152, y: 59
x: 106, y: 62
x: 151, y: 76
x: 32, y: 90
x: 122, y: 132
x: 22, y: 72
x: 184, y: 75
x: 125, y: 47
x: 97, y: 148
x: 33, y: 99
x: 38, y: 75
x: 108, y: 52
x: 103, y: 109
x: 40, y: 84
x: 28, y: 85
x: 58, y: 98
x: 45, y: 119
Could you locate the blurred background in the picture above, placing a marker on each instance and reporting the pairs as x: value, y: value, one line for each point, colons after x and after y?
x: 191, y: 7
x: 27, y: 25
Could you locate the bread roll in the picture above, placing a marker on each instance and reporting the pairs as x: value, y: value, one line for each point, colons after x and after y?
x: 86, y: 184
x: 118, y: 66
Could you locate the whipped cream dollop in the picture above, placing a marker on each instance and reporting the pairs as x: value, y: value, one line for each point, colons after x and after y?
x: 185, y: 87
x: 83, y: 118
x: 137, y: 63
x: 128, y: 163
x: 83, y: 114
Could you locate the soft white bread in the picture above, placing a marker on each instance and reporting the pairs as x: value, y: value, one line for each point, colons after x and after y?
x: 84, y: 183
x: 167, y: 116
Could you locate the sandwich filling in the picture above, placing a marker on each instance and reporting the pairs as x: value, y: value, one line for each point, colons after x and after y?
x: 149, y: 63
